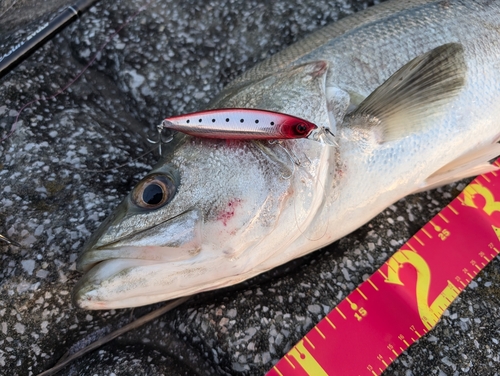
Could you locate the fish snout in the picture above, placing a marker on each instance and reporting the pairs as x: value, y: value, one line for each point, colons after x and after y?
x: 175, y: 239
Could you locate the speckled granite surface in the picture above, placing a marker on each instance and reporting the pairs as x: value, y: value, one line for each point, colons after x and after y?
x: 55, y: 188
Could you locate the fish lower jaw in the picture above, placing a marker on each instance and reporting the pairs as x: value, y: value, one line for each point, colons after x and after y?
x: 124, y: 283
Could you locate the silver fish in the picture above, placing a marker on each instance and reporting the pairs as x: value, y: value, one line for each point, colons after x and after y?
x: 411, y: 90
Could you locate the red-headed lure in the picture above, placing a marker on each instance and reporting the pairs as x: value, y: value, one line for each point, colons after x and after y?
x: 245, y: 124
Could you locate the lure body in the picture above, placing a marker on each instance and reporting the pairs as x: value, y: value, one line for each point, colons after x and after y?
x: 241, y: 124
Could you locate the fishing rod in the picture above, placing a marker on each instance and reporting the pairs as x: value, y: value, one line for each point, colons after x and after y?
x: 4, y: 239
x: 20, y: 52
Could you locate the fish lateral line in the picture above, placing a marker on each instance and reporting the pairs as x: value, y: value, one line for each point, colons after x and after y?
x: 246, y: 124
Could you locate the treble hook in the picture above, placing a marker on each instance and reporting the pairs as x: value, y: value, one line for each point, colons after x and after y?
x: 160, y: 140
x: 323, y: 135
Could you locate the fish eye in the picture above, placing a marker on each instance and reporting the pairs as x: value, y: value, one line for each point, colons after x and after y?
x: 301, y: 128
x: 154, y: 191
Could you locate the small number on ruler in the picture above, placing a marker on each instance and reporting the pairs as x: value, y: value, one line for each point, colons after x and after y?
x: 444, y: 234
x: 491, y: 245
x: 360, y: 314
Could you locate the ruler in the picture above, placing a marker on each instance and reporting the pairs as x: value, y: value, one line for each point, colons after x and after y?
x: 406, y: 296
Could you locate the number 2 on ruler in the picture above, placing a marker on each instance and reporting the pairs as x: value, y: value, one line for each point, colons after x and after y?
x: 429, y: 314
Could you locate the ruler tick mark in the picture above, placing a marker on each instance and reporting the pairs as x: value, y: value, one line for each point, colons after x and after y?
x: 361, y: 293
x: 406, y: 343
x: 426, y: 233
x: 329, y: 322
x: 486, y: 178
x: 418, y: 240
x: 452, y: 208
x: 410, y: 246
x: 478, y: 268
x: 385, y: 364
x: 354, y: 306
x: 373, y: 284
x: 340, y: 312
x: 288, y: 360
x: 436, y: 227
x: 390, y: 267
x: 383, y: 275
x: 320, y: 333
x: 278, y: 371
x: 395, y: 353
x: 443, y: 218
x: 309, y: 342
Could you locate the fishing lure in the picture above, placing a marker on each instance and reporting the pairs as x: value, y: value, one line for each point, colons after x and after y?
x: 245, y: 124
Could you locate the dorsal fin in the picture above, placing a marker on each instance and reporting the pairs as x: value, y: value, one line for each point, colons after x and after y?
x: 414, y: 95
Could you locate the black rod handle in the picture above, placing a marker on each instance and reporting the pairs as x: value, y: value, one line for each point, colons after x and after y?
x: 20, y: 53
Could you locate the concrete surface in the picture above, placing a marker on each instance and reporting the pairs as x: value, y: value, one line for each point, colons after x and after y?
x: 56, y: 187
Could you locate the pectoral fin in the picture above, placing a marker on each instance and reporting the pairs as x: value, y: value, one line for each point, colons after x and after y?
x: 413, y: 96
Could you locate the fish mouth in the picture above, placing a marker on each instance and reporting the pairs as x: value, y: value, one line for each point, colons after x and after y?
x: 104, y: 282
x: 125, y: 283
x: 177, y: 239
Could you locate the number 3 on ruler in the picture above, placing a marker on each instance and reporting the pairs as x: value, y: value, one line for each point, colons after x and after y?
x: 489, y: 206
x: 429, y: 314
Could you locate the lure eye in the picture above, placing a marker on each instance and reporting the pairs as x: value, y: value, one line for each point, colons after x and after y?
x: 301, y: 128
x: 154, y: 191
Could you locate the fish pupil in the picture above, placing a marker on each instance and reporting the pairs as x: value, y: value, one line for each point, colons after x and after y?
x: 153, y: 194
